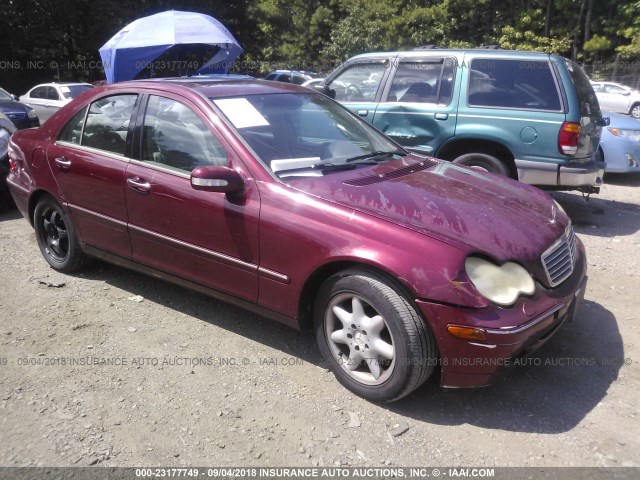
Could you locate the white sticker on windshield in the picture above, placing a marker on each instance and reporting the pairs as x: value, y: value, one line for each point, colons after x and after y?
x: 64, y: 89
x: 241, y: 113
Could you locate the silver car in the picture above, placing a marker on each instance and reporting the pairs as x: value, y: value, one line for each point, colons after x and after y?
x: 618, y: 98
x: 48, y: 98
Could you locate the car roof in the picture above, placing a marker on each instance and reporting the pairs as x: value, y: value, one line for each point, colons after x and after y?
x: 217, y: 87
x: 61, y: 84
x: 421, y: 53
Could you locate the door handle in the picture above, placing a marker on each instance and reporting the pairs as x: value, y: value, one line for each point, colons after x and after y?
x: 63, y: 163
x: 441, y: 116
x: 139, y: 185
x: 363, y: 113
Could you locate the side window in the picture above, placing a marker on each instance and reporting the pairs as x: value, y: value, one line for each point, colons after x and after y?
x: 285, y: 77
x: 614, y: 89
x: 298, y: 79
x: 424, y: 82
x: 175, y: 137
x: 40, y: 92
x: 524, y: 84
x: 596, y: 87
x: 359, y: 82
x: 107, y: 123
x: 73, y: 129
x: 52, y: 94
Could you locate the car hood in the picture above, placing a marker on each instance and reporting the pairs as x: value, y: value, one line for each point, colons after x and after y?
x: 622, y: 121
x: 477, y: 211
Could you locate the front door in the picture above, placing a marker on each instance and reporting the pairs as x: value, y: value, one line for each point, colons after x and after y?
x: 205, y: 237
x: 358, y: 86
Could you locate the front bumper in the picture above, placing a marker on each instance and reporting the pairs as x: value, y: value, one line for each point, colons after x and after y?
x: 511, y: 333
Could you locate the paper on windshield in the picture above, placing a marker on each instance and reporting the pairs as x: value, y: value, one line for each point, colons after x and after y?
x: 241, y: 113
x: 64, y: 89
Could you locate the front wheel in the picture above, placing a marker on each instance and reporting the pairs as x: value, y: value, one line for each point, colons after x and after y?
x: 56, y: 236
x: 483, y: 161
x: 373, y: 339
x: 635, y: 111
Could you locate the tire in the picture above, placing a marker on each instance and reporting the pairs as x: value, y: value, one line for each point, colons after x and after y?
x: 56, y: 237
x: 394, y: 357
x: 486, y: 162
x: 635, y: 111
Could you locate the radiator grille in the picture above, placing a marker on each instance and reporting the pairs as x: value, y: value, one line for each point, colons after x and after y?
x: 559, y: 260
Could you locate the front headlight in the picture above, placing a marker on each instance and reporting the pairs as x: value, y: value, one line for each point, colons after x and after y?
x: 502, y: 284
x: 32, y: 113
x: 633, y: 135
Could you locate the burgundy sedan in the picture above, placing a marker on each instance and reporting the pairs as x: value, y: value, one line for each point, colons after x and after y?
x: 277, y: 199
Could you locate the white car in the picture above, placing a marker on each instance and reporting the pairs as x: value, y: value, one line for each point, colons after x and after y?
x: 618, y: 98
x: 48, y: 98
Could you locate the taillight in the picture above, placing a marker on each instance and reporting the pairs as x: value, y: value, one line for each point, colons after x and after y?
x: 13, y: 166
x: 568, y: 138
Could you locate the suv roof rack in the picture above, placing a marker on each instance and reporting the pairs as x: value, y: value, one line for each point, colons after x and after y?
x: 427, y: 47
x: 492, y: 47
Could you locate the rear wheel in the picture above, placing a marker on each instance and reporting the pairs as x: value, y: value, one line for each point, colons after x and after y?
x: 373, y: 339
x: 56, y: 236
x: 483, y: 161
x: 635, y: 111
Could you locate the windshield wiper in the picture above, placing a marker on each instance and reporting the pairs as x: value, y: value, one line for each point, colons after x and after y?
x: 325, y: 167
x: 375, y: 155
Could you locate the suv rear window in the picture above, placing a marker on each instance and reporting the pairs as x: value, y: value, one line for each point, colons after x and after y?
x: 522, y: 84
x: 586, y: 96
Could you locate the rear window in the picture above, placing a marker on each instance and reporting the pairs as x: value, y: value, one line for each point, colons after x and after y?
x: 586, y: 96
x: 521, y: 84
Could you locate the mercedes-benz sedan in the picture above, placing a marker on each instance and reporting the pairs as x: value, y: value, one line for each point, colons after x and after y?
x: 276, y: 198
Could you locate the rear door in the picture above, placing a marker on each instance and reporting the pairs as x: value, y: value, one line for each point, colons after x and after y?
x: 615, y: 98
x: 205, y: 237
x: 37, y: 100
x: 89, y: 160
x: 417, y: 108
x: 358, y: 86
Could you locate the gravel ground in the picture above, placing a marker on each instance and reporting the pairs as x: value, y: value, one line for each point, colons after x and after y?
x: 192, y: 381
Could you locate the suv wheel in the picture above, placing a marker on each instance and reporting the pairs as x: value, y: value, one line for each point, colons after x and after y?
x: 485, y: 162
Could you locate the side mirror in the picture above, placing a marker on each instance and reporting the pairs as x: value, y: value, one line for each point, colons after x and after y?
x: 15, y: 97
x: 322, y: 88
x: 217, y: 179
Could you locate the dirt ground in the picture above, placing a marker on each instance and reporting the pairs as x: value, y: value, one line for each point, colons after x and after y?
x: 157, y: 375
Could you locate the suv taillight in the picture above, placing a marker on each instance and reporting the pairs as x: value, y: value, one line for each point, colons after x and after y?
x: 568, y: 138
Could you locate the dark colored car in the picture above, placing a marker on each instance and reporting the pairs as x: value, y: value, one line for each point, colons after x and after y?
x: 22, y: 116
x: 6, y: 129
x: 276, y: 198
x: 292, y: 76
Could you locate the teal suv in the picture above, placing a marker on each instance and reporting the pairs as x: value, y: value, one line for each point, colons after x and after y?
x: 527, y: 115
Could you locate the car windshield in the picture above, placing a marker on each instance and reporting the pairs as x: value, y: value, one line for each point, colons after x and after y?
x: 4, y: 95
x: 72, y: 91
x: 305, y: 134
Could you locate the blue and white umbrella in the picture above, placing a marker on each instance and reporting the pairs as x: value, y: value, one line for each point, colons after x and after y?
x: 139, y: 43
